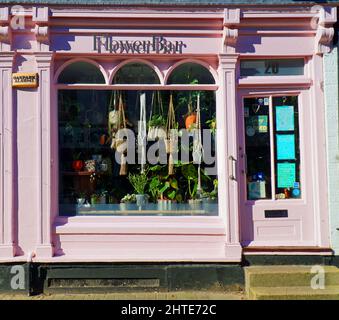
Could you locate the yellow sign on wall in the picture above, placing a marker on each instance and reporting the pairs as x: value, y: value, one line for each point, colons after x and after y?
x: 25, y: 80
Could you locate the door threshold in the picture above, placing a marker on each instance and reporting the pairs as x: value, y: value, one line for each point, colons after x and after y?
x: 306, y: 250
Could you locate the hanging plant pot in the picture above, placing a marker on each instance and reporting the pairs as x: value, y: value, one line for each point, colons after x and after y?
x: 170, y: 145
x: 120, y: 146
x: 190, y: 120
x: 77, y: 165
x: 156, y: 133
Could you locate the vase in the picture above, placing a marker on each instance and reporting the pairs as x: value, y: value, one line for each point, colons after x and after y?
x: 141, y: 200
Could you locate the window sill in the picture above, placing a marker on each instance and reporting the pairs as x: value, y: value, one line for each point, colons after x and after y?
x: 140, y: 225
x: 275, y: 81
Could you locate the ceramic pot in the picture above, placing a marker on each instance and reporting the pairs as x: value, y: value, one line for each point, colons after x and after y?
x: 141, y: 199
x: 77, y: 165
x: 156, y: 133
x: 190, y: 120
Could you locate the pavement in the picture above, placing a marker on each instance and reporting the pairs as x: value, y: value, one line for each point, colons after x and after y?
x: 177, y: 295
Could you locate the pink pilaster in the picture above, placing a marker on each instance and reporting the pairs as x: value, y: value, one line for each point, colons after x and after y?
x: 44, y: 63
x: 227, y: 152
x: 7, y: 208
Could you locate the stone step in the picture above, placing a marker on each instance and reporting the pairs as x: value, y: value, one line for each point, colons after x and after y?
x: 287, y: 276
x: 294, y: 293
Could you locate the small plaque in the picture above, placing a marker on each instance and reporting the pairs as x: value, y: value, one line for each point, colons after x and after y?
x: 25, y: 80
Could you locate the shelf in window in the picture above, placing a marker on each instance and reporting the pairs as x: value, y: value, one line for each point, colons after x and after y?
x: 82, y: 173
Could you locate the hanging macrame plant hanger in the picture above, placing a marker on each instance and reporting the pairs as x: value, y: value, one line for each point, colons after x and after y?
x: 156, y: 131
x: 197, y: 145
x: 117, y: 123
x: 142, y: 132
x: 171, y: 136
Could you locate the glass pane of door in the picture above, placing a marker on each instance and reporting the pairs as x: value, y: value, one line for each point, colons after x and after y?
x: 287, y: 149
x: 258, y: 148
x: 272, y: 148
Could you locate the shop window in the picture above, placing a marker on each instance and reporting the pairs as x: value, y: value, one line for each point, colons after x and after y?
x: 190, y: 73
x: 272, y: 148
x: 136, y: 73
x: 103, y: 173
x: 81, y: 72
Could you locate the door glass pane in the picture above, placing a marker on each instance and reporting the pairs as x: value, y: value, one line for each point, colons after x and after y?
x: 258, y: 148
x: 287, y: 150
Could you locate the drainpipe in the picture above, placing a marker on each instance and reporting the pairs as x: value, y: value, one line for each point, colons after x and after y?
x: 29, y: 273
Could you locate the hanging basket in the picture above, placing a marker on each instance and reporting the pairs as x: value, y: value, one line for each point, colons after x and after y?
x: 156, y: 133
x: 169, y: 145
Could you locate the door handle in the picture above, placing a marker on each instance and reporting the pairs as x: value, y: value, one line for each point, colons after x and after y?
x: 233, y: 162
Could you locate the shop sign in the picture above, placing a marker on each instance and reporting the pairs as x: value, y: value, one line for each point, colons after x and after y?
x: 25, y: 80
x: 157, y: 45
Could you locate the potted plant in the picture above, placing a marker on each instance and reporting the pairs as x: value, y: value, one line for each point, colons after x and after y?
x: 103, y: 197
x: 81, y: 199
x: 191, y: 115
x: 126, y: 201
x: 139, y: 183
x: 193, y: 201
x: 168, y: 194
x: 77, y: 164
x: 190, y: 173
x: 95, y: 198
x: 157, y: 122
x: 211, y: 197
x: 156, y: 127
x: 164, y: 188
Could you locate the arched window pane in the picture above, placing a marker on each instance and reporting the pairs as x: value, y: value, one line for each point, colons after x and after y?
x: 136, y: 73
x: 81, y: 72
x: 190, y: 73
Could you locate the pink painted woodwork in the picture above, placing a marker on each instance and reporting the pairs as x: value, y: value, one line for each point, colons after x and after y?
x: 54, y: 37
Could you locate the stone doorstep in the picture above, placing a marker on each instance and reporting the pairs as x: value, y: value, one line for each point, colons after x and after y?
x: 294, y: 293
x: 289, y: 282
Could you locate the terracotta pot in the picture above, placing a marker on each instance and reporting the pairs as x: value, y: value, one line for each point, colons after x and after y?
x: 102, y: 139
x: 190, y: 120
x: 77, y: 165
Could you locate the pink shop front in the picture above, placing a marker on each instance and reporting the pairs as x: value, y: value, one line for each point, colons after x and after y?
x: 222, y: 151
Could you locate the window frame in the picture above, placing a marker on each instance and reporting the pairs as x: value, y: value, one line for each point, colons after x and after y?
x: 145, y: 87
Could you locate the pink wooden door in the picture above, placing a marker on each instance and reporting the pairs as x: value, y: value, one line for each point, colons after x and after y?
x: 279, y: 205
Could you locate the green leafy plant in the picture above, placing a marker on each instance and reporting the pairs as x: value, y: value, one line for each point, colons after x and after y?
x: 162, y: 185
x: 190, y: 173
x: 213, y: 195
x: 128, y: 198
x: 212, y: 124
x: 157, y: 120
x: 76, y: 155
x: 138, y: 182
